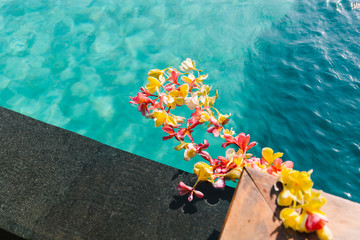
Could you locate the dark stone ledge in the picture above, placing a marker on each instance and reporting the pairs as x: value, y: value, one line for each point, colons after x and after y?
x: 56, y: 184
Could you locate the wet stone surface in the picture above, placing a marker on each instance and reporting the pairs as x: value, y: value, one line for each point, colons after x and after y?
x: 59, y: 185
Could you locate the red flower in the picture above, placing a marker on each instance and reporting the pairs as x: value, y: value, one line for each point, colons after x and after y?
x: 241, y: 140
x: 143, y: 101
x: 315, y: 221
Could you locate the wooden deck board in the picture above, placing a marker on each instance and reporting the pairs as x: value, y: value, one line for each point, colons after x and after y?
x: 255, y: 200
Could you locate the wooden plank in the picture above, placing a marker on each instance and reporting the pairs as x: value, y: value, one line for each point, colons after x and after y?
x: 344, y: 215
x: 249, y: 216
x: 255, y: 200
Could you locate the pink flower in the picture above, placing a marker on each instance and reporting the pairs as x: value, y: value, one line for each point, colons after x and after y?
x: 278, y: 165
x: 143, y: 101
x: 184, y: 189
x: 315, y: 221
x: 174, y: 77
x: 241, y: 140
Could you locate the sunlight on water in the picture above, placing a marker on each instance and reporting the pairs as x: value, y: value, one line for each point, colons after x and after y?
x: 285, y: 70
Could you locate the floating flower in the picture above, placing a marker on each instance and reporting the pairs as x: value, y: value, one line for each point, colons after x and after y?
x: 241, y: 140
x: 161, y: 117
x: 153, y: 85
x: 188, y: 65
x: 156, y: 73
x: 143, y: 101
x: 269, y: 156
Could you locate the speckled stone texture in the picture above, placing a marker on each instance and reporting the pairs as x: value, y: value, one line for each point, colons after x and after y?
x: 56, y: 184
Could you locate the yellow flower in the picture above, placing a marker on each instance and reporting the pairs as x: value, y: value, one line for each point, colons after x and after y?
x: 324, y: 233
x: 204, y: 172
x: 156, y: 73
x: 269, y: 156
x: 290, y: 218
x: 234, y: 173
x: 190, y: 78
x: 161, y: 117
x: 297, y: 186
x: 153, y: 85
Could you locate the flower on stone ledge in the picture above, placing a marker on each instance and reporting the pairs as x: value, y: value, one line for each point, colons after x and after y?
x: 184, y: 189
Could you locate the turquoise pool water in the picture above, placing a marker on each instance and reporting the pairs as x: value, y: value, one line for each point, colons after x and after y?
x: 288, y: 71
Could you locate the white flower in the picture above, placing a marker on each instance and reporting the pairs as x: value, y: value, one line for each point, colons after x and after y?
x: 192, y: 102
x: 190, y: 152
x: 187, y: 65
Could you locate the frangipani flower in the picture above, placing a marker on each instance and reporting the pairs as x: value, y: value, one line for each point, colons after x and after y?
x: 190, y: 152
x: 269, y: 156
x: 156, y: 73
x: 204, y: 99
x: 290, y: 218
x: 188, y: 65
x: 234, y: 174
x: 184, y: 189
x: 153, y: 85
x: 324, y: 234
x: 296, y: 186
x: 241, y: 140
x: 204, y: 172
x: 143, y: 101
x: 174, y: 77
x: 192, y: 102
x: 161, y: 117
x: 278, y: 164
x: 230, y: 132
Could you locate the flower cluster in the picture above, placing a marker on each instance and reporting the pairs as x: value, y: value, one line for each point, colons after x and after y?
x: 170, y: 88
x: 303, y: 204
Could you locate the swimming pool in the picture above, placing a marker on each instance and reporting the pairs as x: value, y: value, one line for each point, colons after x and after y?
x: 286, y: 70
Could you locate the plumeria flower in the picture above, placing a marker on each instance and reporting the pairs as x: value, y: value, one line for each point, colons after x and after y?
x: 255, y: 163
x: 234, y: 174
x: 184, y: 189
x: 269, y: 156
x: 161, y: 117
x: 324, y: 233
x: 174, y: 75
x: 192, y: 102
x: 204, y: 99
x: 278, y: 164
x: 143, y: 101
x: 190, y: 152
x: 156, y: 73
x: 204, y: 172
x: 189, y: 79
x: 297, y: 186
x: 153, y: 85
x: 186, y: 131
x: 241, y: 140
x: 170, y: 130
x: 192, y: 81
x: 218, y: 123
x: 188, y: 65
x: 220, y: 183
x: 230, y: 132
